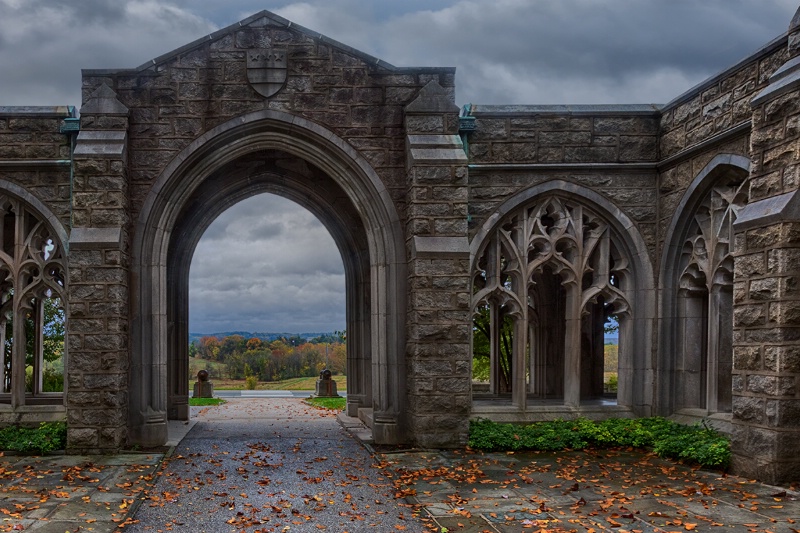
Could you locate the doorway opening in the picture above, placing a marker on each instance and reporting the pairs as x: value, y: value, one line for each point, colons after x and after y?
x: 267, y: 298
x: 268, y: 151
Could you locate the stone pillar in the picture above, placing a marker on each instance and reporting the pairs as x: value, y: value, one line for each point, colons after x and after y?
x: 766, y: 367
x: 439, y: 319
x: 97, y: 319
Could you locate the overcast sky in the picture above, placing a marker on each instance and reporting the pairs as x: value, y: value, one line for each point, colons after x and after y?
x: 267, y: 265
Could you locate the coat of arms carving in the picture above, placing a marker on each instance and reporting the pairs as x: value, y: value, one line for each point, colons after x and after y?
x: 266, y: 70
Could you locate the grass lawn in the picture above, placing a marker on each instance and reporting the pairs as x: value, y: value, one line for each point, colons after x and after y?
x: 200, y: 402
x: 334, y: 404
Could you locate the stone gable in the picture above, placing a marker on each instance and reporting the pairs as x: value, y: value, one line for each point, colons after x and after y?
x: 182, y: 94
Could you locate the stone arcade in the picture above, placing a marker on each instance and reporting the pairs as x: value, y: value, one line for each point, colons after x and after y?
x: 682, y: 221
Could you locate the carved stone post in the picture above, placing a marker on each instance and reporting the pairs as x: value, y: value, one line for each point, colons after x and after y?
x: 439, y: 324
x: 97, y: 399
x: 766, y: 367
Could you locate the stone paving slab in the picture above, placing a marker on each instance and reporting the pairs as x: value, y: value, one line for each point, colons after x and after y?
x: 283, y: 440
x: 585, y: 492
x: 60, y: 493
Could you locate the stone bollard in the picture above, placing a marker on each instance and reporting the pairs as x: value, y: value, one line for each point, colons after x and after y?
x: 326, y: 387
x: 203, y: 388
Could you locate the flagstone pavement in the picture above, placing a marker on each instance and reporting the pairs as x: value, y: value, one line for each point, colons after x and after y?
x: 275, y: 464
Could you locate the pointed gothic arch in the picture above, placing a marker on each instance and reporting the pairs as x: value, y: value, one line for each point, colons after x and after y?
x: 695, y: 360
x: 33, y: 263
x: 558, y: 259
x: 230, y: 162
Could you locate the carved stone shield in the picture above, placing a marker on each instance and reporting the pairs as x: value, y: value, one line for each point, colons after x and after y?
x: 266, y: 70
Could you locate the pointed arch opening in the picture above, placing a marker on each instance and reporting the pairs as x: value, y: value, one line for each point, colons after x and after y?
x: 33, y: 352
x: 551, y: 269
x: 697, y: 268
x: 269, y: 151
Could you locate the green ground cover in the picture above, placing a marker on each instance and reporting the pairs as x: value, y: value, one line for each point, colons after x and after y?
x: 694, y: 444
x: 46, y: 437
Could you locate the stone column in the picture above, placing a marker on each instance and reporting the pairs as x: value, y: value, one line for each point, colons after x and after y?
x: 766, y: 367
x: 439, y: 319
x: 97, y: 314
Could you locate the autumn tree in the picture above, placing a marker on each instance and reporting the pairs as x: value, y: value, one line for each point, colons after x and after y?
x: 208, y: 348
x: 283, y: 358
x: 230, y: 345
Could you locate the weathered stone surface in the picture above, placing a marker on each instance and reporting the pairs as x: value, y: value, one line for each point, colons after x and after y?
x: 381, y: 151
x: 784, y: 359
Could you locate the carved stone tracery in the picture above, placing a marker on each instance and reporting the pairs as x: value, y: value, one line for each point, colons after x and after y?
x: 32, y: 267
x: 555, y: 243
x: 705, y: 299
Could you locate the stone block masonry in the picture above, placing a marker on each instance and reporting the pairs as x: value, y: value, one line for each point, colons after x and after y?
x: 766, y: 375
x: 98, y: 336
x: 681, y: 220
x: 438, y: 331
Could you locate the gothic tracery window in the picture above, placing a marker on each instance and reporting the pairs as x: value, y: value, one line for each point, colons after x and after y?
x: 705, y: 301
x: 32, y: 290
x: 544, y: 285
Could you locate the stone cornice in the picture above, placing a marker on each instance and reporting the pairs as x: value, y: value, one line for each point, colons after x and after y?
x: 33, y: 163
x: 725, y: 135
x: 571, y: 167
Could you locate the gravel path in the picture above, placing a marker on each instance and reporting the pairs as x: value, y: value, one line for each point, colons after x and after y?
x: 264, y: 465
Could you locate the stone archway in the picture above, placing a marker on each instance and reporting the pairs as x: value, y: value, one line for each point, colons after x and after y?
x: 697, y: 278
x: 34, y: 272
x: 557, y: 257
x: 267, y: 151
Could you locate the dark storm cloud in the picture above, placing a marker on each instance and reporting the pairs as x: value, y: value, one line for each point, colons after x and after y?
x: 45, y: 43
x: 569, y: 51
x: 266, y: 264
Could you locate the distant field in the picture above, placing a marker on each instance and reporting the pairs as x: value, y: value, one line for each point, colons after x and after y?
x: 287, y: 384
x: 214, y: 368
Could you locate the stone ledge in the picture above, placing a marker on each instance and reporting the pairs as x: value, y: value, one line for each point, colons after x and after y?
x: 32, y: 163
x: 782, y: 81
x: 60, y: 111
x: 101, y: 144
x: 435, y: 149
x: 558, y: 109
x: 439, y: 247
x: 782, y: 208
x: 435, y: 141
x: 95, y: 238
x: 438, y: 155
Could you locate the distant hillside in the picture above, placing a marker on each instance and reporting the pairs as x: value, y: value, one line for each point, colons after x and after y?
x: 262, y: 336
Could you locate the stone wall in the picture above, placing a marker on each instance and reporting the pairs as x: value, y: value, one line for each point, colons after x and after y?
x: 609, y: 149
x: 710, y: 119
x: 719, y: 103
x: 397, y: 128
x: 564, y: 134
x: 35, y: 155
x: 35, y: 168
x: 438, y: 324
x: 99, y: 262
x: 766, y: 376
